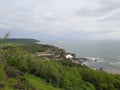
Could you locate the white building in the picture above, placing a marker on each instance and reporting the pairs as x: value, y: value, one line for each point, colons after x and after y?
x: 68, y: 56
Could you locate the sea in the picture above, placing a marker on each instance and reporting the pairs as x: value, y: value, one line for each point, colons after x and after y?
x: 107, y: 53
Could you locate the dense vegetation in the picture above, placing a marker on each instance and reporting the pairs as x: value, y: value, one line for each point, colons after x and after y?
x: 19, y: 70
x: 19, y: 40
x: 32, y: 48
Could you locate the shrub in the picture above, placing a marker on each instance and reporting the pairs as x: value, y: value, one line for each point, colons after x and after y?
x: 17, y: 57
x: 49, y: 71
x: 11, y: 72
x: 1, y: 85
x: 23, y: 84
x: 11, y: 81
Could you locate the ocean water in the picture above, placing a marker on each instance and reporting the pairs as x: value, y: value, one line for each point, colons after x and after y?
x: 106, y: 52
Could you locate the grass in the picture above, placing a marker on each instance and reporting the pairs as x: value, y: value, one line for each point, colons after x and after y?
x: 3, y: 78
x: 2, y: 73
x: 7, y: 88
x: 35, y: 81
x: 39, y: 84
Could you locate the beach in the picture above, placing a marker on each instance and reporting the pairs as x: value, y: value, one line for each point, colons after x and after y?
x: 112, y: 71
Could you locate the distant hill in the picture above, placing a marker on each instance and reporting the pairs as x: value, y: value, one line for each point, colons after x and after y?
x: 21, y: 40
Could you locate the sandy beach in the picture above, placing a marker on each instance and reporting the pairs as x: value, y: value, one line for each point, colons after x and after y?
x: 112, y: 71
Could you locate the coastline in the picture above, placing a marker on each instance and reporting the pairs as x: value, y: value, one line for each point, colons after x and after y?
x: 86, y: 60
x: 112, y: 71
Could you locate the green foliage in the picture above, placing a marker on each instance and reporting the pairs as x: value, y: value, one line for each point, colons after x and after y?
x: 17, y: 40
x: 101, y: 80
x: 117, y: 81
x: 23, y: 84
x: 73, y: 77
x: 11, y: 82
x: 40, y: 84
x: 17, y: 57
x: 16, y: 62
x: 60, y: 76
x: 68, y: 63
x: 11, y: 72
x: 2, y: 73
x: 48, y: 71
x: 32, y: 48
x: 71, y: 80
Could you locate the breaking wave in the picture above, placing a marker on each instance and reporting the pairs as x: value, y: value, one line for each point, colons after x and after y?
x: 115, y: 63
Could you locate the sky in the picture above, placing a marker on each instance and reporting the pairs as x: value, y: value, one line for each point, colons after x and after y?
x: 61, y: 19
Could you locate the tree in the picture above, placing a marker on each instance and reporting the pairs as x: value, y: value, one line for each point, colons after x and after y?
x: 5, y: 38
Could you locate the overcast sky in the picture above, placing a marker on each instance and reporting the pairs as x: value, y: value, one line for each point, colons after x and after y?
x: 78, y: 19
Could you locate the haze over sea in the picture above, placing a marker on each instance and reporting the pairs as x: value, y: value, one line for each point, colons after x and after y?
x: 106, y: 52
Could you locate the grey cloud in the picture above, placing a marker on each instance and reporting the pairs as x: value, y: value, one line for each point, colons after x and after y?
x: 60, y: 18
x: 104, y: 7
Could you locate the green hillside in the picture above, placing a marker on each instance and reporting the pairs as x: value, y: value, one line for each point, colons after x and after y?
x: 20, y: 40
x: 35, y: 81
x: 40, y: 84
x: 22, y: 69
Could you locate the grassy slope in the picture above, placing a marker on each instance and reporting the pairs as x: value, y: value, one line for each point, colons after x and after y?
x: 39, y: 84
x: 3, y: 78
x: 2, y: 73
x: 35, y: 81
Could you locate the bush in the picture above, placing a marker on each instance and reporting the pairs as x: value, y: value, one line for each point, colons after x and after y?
x: 23, y: 84
x: 60, y: 76
x: 49, y: 71
x: 11, y: 72
x: 17, y: 57
x: 11, y: 81
x: 1, y: 85
x: 69, y: 63
x: 101, y: 80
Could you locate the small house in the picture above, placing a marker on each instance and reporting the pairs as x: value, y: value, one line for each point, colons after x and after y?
x: 69, y: 56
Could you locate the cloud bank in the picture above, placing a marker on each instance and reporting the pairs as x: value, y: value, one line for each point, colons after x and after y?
x: 86, y: 19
